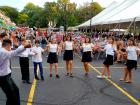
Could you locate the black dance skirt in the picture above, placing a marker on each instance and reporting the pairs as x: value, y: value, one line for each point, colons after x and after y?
x: 68, y: 55
x: 52, y: 58
x: 131, y: 64
x: 86, y: 57
x: 109, y: 60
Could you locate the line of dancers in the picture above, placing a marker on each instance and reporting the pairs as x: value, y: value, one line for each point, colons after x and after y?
x: 87, y: 47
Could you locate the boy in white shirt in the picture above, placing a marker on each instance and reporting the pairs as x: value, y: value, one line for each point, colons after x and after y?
x: 37, y: 59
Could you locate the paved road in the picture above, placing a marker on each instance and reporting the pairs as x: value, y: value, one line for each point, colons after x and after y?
x: 79, y: 90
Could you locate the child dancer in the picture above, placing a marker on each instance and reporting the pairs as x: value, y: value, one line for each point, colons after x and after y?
x: 110, y: 49
x: 53, y: 56
x: 132, y: 51
x: 68, y: 54
x: 37, y: 59
x: 87, y: 47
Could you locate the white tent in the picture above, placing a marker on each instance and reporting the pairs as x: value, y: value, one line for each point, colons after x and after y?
x: 122, y: 6
x: 127, y: 15
x: 104, y: 12
x: 124, y: 11
x: 118, y: 30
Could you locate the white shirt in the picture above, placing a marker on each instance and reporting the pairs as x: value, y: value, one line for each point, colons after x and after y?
x: 53, y: 36
x: 4, y: 59
x: 0, y: 44
x: 87, y: 47
x: 110, y: 49
x: 53, y: 48
x: 132, y: 52
x: 25, y: 53
x: 37, y: 57
x: 68, y: 45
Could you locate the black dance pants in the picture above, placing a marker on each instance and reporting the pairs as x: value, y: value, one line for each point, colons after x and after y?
x: 10, y: 89
x: 24, y: 65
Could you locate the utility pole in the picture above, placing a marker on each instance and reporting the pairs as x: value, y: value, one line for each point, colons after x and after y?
x: 91, y: 18
x: 65, y: 17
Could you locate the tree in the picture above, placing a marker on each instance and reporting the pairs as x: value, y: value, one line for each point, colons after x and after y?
x: 66, y: 10
x: 22, y: 18
x: 52, y: 11
x: 72, y: 20
x: 11, y: 12
x: 60, y: 13
x: 34, y: 13
x: 87, y: 11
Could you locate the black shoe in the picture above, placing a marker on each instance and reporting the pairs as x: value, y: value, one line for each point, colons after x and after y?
x: 86, y: 74
x: 36, y: 77
x: 23, y: 81
x: 71, y: 75
x: 67, y: 74
x: 50, y: 75
x: 28, y: 82
x: 42, y: 78
x: 57, y: 76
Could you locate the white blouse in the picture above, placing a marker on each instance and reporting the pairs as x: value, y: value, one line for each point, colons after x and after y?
x: 87, y: 47
x: 37, y: 57
x: 132, y: 52
x: 110, y: 49
x: 53, y: 48
x: 68, y: 45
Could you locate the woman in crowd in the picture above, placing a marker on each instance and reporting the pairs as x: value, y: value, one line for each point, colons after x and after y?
x: 121, y: 51
x: 110, y: 49
x: 87, y: 48
x: 68, y: 55
x: 132, y: 52
x: 53, y: 49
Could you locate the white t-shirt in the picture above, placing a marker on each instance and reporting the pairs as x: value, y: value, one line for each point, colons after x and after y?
x: 110, y: 49
x: 53, y: 36
x: 0, y: 44
x: 53, y: 48
x: 38, y: 54
x: 132, y: 52
x: 68, y: 45
x: 87, y: 47
x: 25, y: 53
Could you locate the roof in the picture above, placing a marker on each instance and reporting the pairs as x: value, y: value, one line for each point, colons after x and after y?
x: 124, y: 11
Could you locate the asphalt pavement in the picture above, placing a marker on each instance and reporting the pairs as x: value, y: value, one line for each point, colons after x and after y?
x: 79, y: 90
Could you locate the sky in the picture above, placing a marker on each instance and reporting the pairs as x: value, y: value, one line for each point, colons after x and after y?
x: 19, y: 4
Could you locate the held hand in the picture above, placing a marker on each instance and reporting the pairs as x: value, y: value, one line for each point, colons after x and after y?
x: 27, y: 46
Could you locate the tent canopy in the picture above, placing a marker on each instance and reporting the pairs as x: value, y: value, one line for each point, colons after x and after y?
x: 104, y: 12
x: 118, y: 30
x: 120, y: 12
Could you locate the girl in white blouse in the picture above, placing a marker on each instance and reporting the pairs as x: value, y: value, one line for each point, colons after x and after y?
x: 109, y: 49
x: 132, y: 51
x: 87, y: 48
x: 53, y: 49
x: 68, y: 55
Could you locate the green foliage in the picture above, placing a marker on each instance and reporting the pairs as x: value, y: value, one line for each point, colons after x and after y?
x: 22, y: 18
x: 60, y: 13
x: 11, y: 12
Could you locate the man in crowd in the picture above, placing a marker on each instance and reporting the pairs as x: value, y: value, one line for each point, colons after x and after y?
x: 6, y: 82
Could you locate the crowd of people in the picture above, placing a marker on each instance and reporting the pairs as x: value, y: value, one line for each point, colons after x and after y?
x: 30, y: 42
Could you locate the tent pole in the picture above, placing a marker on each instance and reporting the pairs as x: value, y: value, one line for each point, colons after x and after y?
x: 119, y: 27
x: 131, y: 24
x: 134, y: 26
x: 106, y: 27
x: 101, y: 28
x: 109, y: 26
x: 116, y: 26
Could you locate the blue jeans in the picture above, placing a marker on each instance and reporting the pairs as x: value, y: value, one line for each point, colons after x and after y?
x: 40, y: 68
